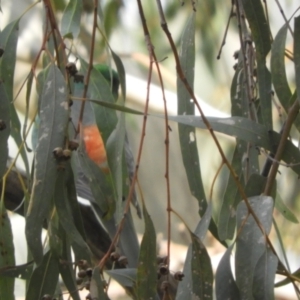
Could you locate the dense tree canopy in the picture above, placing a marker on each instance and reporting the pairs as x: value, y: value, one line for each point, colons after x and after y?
x: 67, y: 103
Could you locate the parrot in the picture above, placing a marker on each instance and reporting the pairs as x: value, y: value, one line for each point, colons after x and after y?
x: 94, y: 144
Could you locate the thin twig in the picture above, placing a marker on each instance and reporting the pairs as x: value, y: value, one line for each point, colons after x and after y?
x: 225, y: 33
x: 284, y: 17
x: 90, y: 67
x: 292, y: 114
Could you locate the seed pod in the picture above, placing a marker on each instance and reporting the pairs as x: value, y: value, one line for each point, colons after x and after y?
x: 2, y: 125
x: 163, y: 269
x: 58, y: 152
x: 67, y: 153
x: 114, y: 256
x: 123, y: 261
x: 78, y: 78
x: 81, y: 274
x: 164, y: 285
x: 178, y: 276
x: 71, y: 68
x: 83, y: 264
x: 88, y: 297
x: 236, y: 54
x: 73, y: 145
x: 89, y: 272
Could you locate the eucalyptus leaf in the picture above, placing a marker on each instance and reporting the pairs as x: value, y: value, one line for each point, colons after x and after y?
x: 67, y: 270
x: 9, y: 41
x: 187, y: 137
x: 264, y: 276
x: 125, y: 277
x: 198, y: 276
x: 54, y: 119
x: 44, y: 278
x: 260, y: 32
x: 97, y: 286
x: 70, y: 23
x: 226, y: 287
x: 251, y: 242
x: 297, y: 53
x: 19, y: 271
x: 99, y: 183
x: 7, y: 254
x: 67, y: 221
x: 147, y: 266
x: 5, y: 129
x: 279, y: 77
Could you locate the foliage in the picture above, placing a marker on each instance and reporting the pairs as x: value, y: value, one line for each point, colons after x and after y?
x: 62, y: 168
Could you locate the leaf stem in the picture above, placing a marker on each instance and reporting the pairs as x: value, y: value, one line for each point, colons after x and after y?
x: 292, y: 114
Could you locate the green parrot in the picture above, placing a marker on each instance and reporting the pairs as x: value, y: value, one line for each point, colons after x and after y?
x: 94, y: 145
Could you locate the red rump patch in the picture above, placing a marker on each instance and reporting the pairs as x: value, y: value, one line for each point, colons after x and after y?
x: 94, y: 145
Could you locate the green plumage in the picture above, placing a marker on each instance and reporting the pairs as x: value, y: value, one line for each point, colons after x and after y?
x: 109, y: 73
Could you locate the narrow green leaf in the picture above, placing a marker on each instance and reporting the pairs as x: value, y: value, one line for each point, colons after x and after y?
x: 187, y: 137
x: 265, y: 93
x: 297, y: 53
x: 279, y: 78
x: 16, y: 134
x: 282, y: 249
x: 54, y: 118
x: 147, y: 266
x: 100, y: 14
x: 239, y: 127
x: 237, y: 93
x: 264, y: 276
x: 20, y: 271
x: 115, y: 150
x: 56, y: 235
x: 259, y: 26
x: 247, y: 130
x: 226, y: 287
x: 70, y: 23
x: 203, y: 225
x: 117, y: 107
x: 250, y: 242
x: 231, y: 198
x: 227, y: 214
x: 100, y: 183
x: 254, y: 186
x: 202, y: 274
x: 8, y: 41
x: 97, y: 287
x: 4, y: 129
x: 7, y: 254
x: 44, y: 278
x: 260, y: 32
x: 28, y: 93
x: 284, y: 210
x: 197, y: 269
x: 288, y: 280
x: 66, y: 219
x: 125, y: 277
x: 121, y: 72
x: 129, y: 242
x: 66, y: 269
x: 73, y: 202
